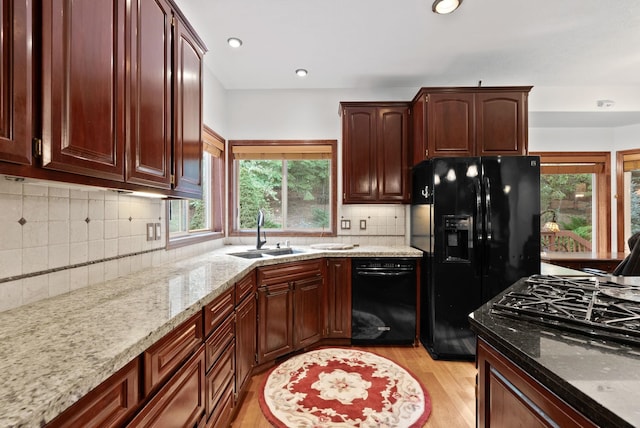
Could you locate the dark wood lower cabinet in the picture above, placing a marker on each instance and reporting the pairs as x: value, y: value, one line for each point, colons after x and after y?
x: 246, y: 314
x: 509, y: 397
x: 180, y: 402
x: 275, y: 321
x: 338, y: 295
x: 108, y: 405
x: 307, y: 312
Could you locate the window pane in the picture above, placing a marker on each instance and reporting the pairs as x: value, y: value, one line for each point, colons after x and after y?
x: 200, y: 209
x: 177, y: 216
x: 308, y: 186
x: 570, y: 197
x: 260, y: 187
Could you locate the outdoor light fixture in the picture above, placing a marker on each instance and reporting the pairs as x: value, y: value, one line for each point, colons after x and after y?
x: 301, y: 72
x: 550, y: 226
x: 234, y: 42
x: 443, y: 7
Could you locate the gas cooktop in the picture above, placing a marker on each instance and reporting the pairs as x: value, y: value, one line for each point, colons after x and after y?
x: 589, y: 305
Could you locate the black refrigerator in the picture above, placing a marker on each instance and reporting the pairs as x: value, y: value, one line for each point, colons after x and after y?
x: 477, y: 221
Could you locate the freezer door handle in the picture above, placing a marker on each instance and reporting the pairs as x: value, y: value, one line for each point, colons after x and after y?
x: 487, y: 218
x: 478, y: 217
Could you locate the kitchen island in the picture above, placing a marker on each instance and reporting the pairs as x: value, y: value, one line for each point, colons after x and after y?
x: 55, y: 351
x: 529, y: 370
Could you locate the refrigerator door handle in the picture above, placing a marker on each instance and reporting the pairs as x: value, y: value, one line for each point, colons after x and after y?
x: 477, y: 225
x: 487, y: 218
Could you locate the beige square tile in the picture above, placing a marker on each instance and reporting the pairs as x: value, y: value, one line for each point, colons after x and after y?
x: 78, y: 252
x: 78, y: 194
x: 35, y: 259
x: 58, y: 192
x: 110, y: 210
x: 10, y: 295
x: 124, y: 266
x: 10, y: 187
x: 111, y: 229
x: 110, y: 270
x: 58, y: 255
x: 59, y: 283
x: 58, y: 232
x: 35, y: 208
x: 110, y: 248
x: 10, y: 263
x: 78, y: 209
x: 35, y: 289
x: 78, y: 277
x: 96, y: 273
x: 10, y: 235
x: 10, y: 207
x: 97, y: 195
x: 35, y: 189
x: 124, y: 207
x: 35, y: 234
x: 78, y: 231
x: 125, y: 246
x: 124, y: 228
x: 111, y: 195
x: 58, y: 209
x: 96, y: 250
x: 96, y: 230
x: 96, y: 209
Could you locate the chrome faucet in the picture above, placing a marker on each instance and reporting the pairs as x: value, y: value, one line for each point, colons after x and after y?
x: 260, y: 222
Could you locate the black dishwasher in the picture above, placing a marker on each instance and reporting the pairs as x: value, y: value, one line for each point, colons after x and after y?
x: 383, y: 305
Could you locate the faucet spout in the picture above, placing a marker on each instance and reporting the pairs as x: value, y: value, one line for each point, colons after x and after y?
x: 260, y: 222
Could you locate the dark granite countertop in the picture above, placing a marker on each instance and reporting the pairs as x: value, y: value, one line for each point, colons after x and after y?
x: 599, y: 378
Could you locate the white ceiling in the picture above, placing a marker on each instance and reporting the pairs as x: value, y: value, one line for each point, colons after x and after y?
x: 401, y: 43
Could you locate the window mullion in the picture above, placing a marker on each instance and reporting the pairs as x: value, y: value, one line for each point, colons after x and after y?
x: 284, y: 194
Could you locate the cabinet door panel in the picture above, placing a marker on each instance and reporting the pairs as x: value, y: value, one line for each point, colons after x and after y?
x: 307, y: 320
x: 246, y: 315
x: 501, y: 123
x: 275, y: 314
x: 149, y: 136
x: 450, y: 125
x: 16, y: 75
x: 188, y: 113
x: 339, y: 298
x: 359, y: 155
x: 419, y: 130
x: 83, y: 87
x: 393, y: 145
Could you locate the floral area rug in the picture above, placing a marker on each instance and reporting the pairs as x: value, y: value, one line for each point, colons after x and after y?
x: 339, y: 387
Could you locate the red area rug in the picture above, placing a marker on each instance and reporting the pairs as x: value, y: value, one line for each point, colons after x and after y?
x: 338, y: 387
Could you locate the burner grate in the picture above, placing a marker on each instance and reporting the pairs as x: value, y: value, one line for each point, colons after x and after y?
x: 603, y: 309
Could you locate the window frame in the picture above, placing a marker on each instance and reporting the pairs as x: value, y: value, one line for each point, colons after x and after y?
x: 602, y: 166
x: 216, y: 195
x: 233, y: 194
x: 621, y: 195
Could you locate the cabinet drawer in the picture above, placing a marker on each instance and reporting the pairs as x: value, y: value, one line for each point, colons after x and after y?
x: 216, y: 311
x: 245, y: 286
x: 108, y: 405
x: 180, y: 402
x: 219, y: 340
x: 222, y: 413
x: 288, y: 272
x: 164, y: 357
x: 220, y: 378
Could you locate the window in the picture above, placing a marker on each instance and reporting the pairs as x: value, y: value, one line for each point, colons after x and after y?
x: 192, y: 220
x: 292, y: 182
x: 628, y: 195
x: 575, y: 189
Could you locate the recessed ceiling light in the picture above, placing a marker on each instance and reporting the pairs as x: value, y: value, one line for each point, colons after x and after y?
x: 301, y: 72
x: 445, y: 6
x: 234, y: 42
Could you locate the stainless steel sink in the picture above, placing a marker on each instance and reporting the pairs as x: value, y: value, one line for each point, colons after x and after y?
x: 268, y: 252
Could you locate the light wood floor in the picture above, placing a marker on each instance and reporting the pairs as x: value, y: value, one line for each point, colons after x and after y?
x: 451, y: 386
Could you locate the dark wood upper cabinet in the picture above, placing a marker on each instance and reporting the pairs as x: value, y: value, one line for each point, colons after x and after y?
x: 469, y: 122
x: 83, y: 87
x: 16, y: 73
x: 187, y: 111
x: 375, y: 139
x: 149, y: 87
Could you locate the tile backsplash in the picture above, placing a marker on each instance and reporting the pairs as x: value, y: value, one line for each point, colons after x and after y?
x: 56, y: 238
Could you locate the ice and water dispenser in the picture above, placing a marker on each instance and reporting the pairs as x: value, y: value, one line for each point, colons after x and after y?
x: 458, y: 238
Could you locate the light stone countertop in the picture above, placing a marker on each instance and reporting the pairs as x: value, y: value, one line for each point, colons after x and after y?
x: 55, y: 351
